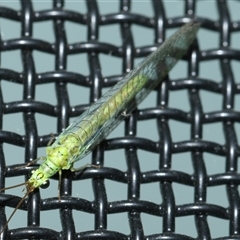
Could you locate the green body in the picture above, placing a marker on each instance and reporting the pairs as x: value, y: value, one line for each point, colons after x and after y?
x: 103, y: 116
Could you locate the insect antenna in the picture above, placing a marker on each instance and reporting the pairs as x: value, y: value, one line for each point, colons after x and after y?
x: 14, y: 186
x: 18, y: 205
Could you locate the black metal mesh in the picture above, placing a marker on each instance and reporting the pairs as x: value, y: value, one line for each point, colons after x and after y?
x: 167, y: 208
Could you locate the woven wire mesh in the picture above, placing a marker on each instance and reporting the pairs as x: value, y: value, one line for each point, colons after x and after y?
x: 164, y: 213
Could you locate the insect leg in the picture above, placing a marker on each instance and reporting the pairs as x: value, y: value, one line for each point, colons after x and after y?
x: 32, y: 162
x: 51, y: 140
x: 125, y: 114
x: 73, y: 170
x: 82, y: 168
x: 59, y: 183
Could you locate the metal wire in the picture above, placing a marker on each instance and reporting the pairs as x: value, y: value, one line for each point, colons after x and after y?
x: 196, y: 118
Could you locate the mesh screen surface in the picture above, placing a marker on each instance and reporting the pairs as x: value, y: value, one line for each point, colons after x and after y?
x: 170, y: 171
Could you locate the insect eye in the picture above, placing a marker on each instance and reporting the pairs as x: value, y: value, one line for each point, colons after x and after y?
x: 45, y: 184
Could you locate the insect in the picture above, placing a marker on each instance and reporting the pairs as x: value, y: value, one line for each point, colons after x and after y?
x: 102, y: 117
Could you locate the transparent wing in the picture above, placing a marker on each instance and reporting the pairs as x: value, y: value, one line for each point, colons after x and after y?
x: 104, y: 115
